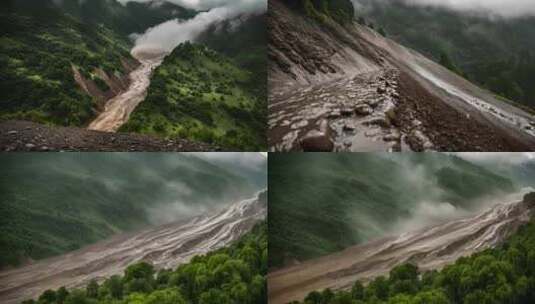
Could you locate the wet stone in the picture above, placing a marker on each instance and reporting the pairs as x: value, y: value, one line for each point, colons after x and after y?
x: 363, y: 110
x: 347, y: 112
x: 316, y: 141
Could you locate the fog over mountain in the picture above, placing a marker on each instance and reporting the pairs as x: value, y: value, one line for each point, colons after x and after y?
x: 493, y: 8
x: 173, y: 32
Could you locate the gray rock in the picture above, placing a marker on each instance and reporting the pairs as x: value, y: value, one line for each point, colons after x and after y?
x: 316, y: 141
x: 12, y: 132
x: 29, y: 146
x: 363, y: 110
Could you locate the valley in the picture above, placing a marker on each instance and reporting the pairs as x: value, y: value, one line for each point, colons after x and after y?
x: 103, y: 77
x: 165, y: 246
x: 429, y: 249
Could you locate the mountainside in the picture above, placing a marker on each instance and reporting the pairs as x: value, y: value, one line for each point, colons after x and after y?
x: 128, y: 18
x: 494, y: 52
x: 94, y: 196
x: 502, y: 275
x: 55, y: 68
x: 321, y: 203
x: 201, y: 95
x: 345, y: 87
x: 164, y: 247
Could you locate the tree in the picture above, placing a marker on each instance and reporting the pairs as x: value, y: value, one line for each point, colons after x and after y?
x: 61, y: 295
x: 166, y: 296
x: 49, y: 296
x: 357, y: 291
x: 92, y: 289
x: 382, y: 32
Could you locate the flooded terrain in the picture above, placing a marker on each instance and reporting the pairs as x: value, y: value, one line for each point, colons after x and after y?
x: 430, y: 248
x: 165, y: 247
x: 118, y: 109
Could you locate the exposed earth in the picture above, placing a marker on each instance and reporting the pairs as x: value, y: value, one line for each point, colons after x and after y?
x: 429, y: 248
x: 347, y: 88
x: 29, y: 136
x: 165, y: 247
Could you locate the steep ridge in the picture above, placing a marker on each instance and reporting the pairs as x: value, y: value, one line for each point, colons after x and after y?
x: 347, y: 88
x: 429, y: 248
x: 165, y: 247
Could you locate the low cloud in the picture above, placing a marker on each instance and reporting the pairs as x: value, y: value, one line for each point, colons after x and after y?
x: 507, y: 9
x: 173, y: 32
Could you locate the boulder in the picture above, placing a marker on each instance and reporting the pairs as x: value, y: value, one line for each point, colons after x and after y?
x: 316, y: 141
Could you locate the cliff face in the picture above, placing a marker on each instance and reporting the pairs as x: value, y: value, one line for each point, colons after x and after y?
x: 344, y: 87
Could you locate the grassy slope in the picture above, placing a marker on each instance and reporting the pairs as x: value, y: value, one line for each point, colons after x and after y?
x: 37, y: 48
x: 322, y: 203
x: 495, y: 53
x: 52, y: 204
x: 201, y: 95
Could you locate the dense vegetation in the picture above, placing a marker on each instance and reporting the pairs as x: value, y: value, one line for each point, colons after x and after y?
x: 42, y: 40
x: 38, y: 47
x: 59, y: 202
x: 236, y: 274
x: 502, y: 275
x: 323, y: 203
x: 493, y: 52
x: 202, y: 95
x: 128, y: 18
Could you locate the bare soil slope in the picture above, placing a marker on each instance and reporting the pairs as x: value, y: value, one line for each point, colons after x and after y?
x: 347, y: 88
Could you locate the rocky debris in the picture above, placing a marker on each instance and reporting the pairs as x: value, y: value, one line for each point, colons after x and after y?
x: 418, y: 141
x: 29, y: 136
x: 363, y: 110
x: 316, y: 141
x: 382, y: 121
x: 529, y: 200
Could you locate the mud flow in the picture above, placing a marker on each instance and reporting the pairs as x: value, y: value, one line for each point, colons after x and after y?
x: 344, y: 115
x: 429, y: 248
x: 118, y: 109
x: 165, y: 247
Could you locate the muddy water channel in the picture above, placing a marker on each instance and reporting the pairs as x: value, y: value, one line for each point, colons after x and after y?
x: 118, y: 109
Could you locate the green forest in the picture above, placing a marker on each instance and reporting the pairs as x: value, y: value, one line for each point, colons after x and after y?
x: 343, y: 200
x: 236, y: 274
x: 200, y: 94
x: 38, y: 48
x: 501, y: 275
x: 57, y: 203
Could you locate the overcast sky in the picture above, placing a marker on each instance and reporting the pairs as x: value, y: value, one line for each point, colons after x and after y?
x: 503, y: 8
x: 498, y: 157
x: 173, y: 32
x: 244, y: 5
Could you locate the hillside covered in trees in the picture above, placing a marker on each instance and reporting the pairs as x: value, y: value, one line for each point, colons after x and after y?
x: 501, y: 275
x: 202, y: 95
x: 235, y: 274
x: 57, y: 203
x: 348, y: 199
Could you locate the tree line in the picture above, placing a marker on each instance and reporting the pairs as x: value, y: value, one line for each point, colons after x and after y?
x: 235, y: 274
